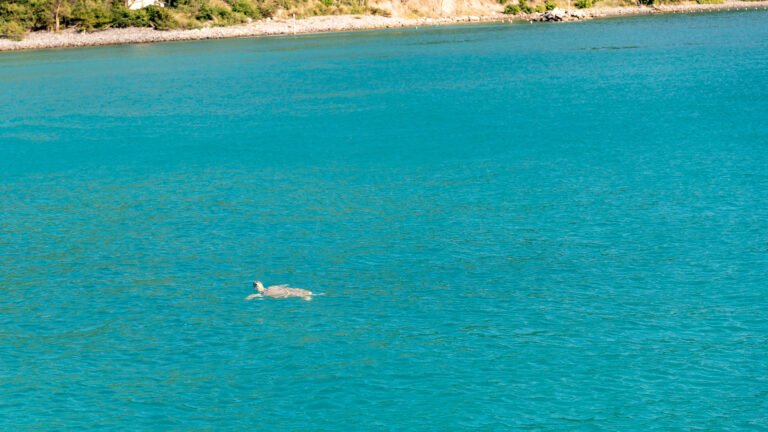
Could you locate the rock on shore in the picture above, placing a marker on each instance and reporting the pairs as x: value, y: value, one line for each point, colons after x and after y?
x: 558, y: 14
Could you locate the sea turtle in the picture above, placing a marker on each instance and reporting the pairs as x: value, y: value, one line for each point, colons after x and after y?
x: 279, y: 292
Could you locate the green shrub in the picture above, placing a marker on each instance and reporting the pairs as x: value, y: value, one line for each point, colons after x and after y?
x: 709, y: 1
x: 160, y: 18
x: 44, y: 17
x: 512, y: 9
x: 90, y: 15
x: 550, y: 5
x: 246, y: 7
x: 539, y: 9
x: 584, y: 4
x: 123, y: 17
x: 525, y: 7
x: 221, y: 14
x: 205, y: 12
x: 12, y: 30
x: 20, y: 13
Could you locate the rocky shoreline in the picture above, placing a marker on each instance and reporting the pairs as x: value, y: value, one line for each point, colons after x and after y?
x: 321, y: 24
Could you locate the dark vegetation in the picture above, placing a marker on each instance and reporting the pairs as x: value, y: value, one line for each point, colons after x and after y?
x: 17, y: 17
x: 522, y: 6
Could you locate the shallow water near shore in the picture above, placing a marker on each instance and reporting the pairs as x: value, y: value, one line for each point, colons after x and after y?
x: 534, y: 227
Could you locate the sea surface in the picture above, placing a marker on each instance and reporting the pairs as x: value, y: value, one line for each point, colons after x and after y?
x: 516, y: 227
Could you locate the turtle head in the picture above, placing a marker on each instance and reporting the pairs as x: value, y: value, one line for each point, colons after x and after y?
x: 258, y: 286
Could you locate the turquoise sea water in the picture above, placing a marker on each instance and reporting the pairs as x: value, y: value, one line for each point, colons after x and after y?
x: 517, y: 227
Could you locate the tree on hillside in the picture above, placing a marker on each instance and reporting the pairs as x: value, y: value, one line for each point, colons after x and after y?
x: 59, y: 9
